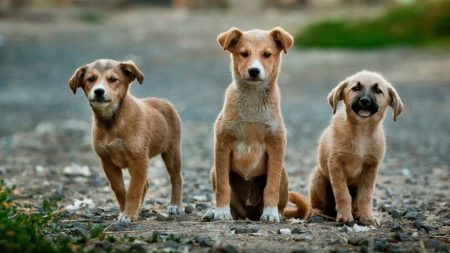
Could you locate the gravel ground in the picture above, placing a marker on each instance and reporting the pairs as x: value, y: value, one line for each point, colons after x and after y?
x: 45, y: 131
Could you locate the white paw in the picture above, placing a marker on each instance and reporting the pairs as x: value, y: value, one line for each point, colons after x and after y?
x: 222, y: 213
x: 174, y: 210
x: 124, y: 218
x: 270, y: 214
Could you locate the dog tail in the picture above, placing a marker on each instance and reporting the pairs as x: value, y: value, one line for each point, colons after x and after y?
x: 302, y: 208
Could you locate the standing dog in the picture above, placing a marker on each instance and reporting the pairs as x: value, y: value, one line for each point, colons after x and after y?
x: 352, y: 148
x: 248, y: 175
x: 127, y: 132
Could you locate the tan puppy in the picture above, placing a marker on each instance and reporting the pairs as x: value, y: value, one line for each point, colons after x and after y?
x: 352, y: 148
x: 248, y: 175
x: 127, y: 132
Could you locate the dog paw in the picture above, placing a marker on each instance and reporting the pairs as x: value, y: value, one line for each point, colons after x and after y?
x: 174, y: 210
x: 125, y: 218
x: 270, y: 214
x: 344, y: 217
x: 222, y: 213
x: 370, y: 221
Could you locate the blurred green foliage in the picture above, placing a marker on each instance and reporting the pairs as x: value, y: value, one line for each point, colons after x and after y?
x: 420, y: 24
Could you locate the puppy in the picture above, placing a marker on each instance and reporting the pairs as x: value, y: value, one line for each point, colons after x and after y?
x: 248, y: 175
x: 127, y: 132
x: 352, y: 148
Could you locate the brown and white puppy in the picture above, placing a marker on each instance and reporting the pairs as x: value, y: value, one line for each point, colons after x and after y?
x: 248, y: 175
x: 127, y: 132
x: 352, y: 148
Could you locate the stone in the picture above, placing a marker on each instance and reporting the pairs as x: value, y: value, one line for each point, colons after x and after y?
x: 244, y: 229
x: 204, y: 240
x: 189, y: 209
x: 284, y: 231
x: 316, y: 219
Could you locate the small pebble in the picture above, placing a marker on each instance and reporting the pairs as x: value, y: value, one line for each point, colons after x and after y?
x: 316, y: 219
x: 284, y: 231
x: 204, y: 240
x: 243, y: 229
x: 189, y: 209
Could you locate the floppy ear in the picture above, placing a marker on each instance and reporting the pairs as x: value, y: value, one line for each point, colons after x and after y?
x: 336, y: 95
x: 131, y: 70
x: 396, y: 102
x: 230, y: 38
x: 282, y: 38
x: 77, y: 79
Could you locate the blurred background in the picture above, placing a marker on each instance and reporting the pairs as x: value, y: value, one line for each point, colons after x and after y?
x: 45, y: 150
x: 44, y: 127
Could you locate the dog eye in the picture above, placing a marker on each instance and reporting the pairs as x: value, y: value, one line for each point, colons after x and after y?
x: 377, y: 90
x: 113, y: 79
x: 267, y: 54
x: 356, y: 88
x: 244, y: 54
x: 92, y: 79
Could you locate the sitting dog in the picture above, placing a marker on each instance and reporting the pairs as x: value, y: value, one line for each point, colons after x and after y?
x: 248, y: 175
x: 352, y: 148
x: 127, y: 132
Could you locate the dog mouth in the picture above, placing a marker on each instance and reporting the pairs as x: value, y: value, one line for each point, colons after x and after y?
x: 364, y: 113
x: 99, y: 101
x: 254, y: 81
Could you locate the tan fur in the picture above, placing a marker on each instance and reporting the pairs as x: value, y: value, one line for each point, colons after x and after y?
x: 301, y: 209
x: 250, y: 138
x: 127, y: 132
x: 350, y: 152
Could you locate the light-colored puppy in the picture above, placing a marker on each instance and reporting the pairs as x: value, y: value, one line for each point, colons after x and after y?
x: 248, y: 176
x: 127, y: 132
x: 352, y: 148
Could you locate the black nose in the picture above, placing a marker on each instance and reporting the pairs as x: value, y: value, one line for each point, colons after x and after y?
x: 99, y: 92
x: 253, y: 72
x: 364, y: 101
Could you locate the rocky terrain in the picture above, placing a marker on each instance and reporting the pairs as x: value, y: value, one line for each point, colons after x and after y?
x: 45, y: 138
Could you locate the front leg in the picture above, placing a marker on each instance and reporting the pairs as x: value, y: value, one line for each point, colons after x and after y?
x: 222, y: 153
x: 138, y: 172
x: 275, y: 156
x: 115, y: 178
x: 365, y: 192
x: 340, y: 190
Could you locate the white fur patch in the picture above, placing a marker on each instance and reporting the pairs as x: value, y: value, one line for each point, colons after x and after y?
x: 124, y: 218
x: 99, y: 85
x: 262, y: 72
x: 222, y: 213
x: 172, y: 209
x: 270, y: 214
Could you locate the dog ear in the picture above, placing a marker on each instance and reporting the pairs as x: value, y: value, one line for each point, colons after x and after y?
x: 230, y: 38
x: 76, y: 80
x: 336, y: 95
x: 396, y: 102
x: 130, y: 69
x: 282, y: 38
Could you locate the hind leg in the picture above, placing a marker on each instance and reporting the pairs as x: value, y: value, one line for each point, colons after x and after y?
x: 145, y: 191
x: 172, y: 159
x: 318, y: 194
